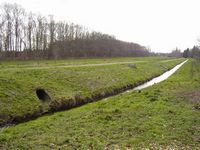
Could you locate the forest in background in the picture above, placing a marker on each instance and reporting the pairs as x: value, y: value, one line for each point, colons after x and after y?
x: 25, y: 35
x: 192, y: 53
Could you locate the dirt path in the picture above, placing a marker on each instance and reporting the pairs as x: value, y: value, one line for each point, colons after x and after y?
x: 170, y: 60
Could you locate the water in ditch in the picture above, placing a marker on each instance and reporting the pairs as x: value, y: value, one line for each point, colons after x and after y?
x: 160, y: 78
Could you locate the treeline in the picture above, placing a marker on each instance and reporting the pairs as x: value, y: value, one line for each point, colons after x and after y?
x: 192, y: 53
x: 101, y: 47
x: 24, y: 35
x: 176, y: 53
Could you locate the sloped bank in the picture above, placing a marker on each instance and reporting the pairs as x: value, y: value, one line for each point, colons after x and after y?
x: 78, y: 101
x: 65, y: 104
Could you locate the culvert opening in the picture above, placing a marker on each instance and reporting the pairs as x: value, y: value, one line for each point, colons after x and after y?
x: 42, y: 95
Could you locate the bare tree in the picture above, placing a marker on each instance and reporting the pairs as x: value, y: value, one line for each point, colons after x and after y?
x: 30, y: 30
x: 2, y: 21
x: 7, y: 12
x: 18, y: 16
x: 60, y: 30
x: 52, y: 29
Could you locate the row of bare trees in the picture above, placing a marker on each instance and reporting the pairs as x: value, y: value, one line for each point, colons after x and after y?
x: 29, y: 36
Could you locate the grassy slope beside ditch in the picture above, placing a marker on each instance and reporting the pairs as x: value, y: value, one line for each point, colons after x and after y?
x: 163, y: 116
x: 67, y: 85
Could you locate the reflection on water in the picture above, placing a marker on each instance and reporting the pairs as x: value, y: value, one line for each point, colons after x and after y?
x: 160, y: 78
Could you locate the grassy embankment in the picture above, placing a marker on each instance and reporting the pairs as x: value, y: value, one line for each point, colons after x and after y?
x: 69, y: 83
x: 164, y: 116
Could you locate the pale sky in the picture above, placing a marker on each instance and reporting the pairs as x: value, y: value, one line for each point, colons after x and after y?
x: 162, y: 25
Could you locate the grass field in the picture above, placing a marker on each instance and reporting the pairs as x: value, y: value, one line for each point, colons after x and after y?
x: 164, y: 116
x: 69, y: 82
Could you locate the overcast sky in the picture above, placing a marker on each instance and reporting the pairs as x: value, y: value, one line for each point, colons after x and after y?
x: 161, y: 24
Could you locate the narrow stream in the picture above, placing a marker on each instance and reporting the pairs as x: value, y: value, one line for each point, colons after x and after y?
x: 160, y: 78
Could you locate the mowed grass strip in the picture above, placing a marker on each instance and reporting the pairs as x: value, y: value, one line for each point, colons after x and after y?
x: 163, y: 116
x: 69, y: 87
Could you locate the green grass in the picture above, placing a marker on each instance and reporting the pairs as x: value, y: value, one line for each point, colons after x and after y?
x: 159, y: 117
x: 53, y: 63
x: 66, y: 84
